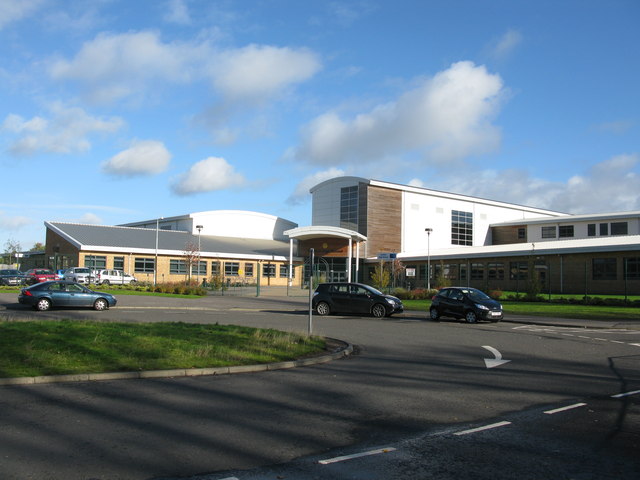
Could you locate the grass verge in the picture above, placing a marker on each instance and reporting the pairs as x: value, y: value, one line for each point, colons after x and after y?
x: 35, y: 348
x: 588, y: 312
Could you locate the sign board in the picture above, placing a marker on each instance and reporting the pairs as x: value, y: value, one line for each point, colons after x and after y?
x: 386, y: 256
x: 410, y: 272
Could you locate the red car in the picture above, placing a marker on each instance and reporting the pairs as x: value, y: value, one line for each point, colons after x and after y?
x: 37, y: 275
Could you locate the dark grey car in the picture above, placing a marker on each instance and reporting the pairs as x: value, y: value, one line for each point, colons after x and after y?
x: 465, y: 302
x: 11, y: 277
x: 344, y: 297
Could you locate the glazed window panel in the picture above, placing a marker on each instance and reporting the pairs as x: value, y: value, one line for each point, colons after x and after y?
x: 248, y: 269
x: 144, y: 265
x: 215, y: 268
x: 477, y: 271
x: 565, y: 231
x: 461, y: 228
x: 118, y: 263
x: 619, y: 228
x: 495, y: 271
x: 549, y: 232
x: 632, y: 268
x: 177, y: 267
x: 604, y: 268
x: 95, y: 261
x: 199, y: 268
x: 231, y: 269
x: 349, y: 208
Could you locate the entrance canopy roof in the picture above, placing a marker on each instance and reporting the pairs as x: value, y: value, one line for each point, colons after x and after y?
x: 309, y: 233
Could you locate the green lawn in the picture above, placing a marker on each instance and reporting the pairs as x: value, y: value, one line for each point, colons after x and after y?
x: 37, y: 348
x: 594, y: 312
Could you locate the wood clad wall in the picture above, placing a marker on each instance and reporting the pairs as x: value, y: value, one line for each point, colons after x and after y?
x: 384, y: 220
x: 506, y: 235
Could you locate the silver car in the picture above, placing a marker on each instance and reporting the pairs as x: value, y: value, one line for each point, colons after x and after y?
x: 11, y: 277
x: 79, y: 275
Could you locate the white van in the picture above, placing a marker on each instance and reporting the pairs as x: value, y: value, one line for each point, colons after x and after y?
x: 113, y: 277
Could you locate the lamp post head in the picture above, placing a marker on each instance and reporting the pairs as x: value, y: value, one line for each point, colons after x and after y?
x: 428, y: 230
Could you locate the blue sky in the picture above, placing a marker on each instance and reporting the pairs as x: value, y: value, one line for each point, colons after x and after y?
x: 113, y: 111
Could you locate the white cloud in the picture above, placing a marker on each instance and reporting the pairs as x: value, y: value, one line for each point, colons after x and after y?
x: 91, y: 219
x: 210, y: 174
x: 505, y: 45
x: 66, y: 130
x: 13, y: 223
x: 115, y: 66
x: 177, y: 12
x: 12, y: 11
x: 258, y: 71
x: 446, y: 118
x: 144, y: 157
x: 416, y: 182
x: 609, y: 186
x: 301, y: 192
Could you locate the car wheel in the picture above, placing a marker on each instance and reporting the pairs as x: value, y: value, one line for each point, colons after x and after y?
x: 106, y: 282
x: 43, y: 304
x: 471, y: 317
x: 378, y: 310
x: 323, y: 308
x: 100, y: 304
x: 434, y: 314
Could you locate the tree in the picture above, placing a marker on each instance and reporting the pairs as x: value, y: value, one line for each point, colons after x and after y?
x: 381, y: 276
x: 37, y: 247
x: 11, y: 248
x: 191, y: 257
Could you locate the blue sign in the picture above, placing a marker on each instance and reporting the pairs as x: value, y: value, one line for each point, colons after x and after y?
x: 386, y: 256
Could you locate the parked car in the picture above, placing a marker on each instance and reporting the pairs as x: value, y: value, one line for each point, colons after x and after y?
x: 113, y: 277
x: 60, y: 273
x: 464, y: 302
x: 344, y: 297
x: 11, y: 277
x: 36, y: 275
x: 79, y: 275
x: 62, y: 293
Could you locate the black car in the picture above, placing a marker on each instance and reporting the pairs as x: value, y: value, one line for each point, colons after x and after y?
x: 11, y: 277
x: 464, y: 302
x: 344, y: 297
x: 42, y: 296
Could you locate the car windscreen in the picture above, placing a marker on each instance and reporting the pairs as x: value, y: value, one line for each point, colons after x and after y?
x: 477, y: 295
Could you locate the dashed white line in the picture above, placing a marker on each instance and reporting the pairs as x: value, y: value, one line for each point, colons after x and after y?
x: 356, y: 455
x: 480, y: 429
x: 564, y: 409
x: 625, y: 394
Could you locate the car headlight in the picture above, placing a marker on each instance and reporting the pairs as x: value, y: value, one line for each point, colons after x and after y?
x: 481, y: 307
x: 390, y: 301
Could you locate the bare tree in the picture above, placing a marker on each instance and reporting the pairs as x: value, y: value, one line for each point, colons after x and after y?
x: 191, y: 257
x: 11, y: 249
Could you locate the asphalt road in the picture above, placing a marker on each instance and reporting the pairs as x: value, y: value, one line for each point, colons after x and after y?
x: 419, y: 392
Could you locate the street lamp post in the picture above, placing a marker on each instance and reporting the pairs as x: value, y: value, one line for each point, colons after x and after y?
x: 199, y: 227
x: 428, y: 230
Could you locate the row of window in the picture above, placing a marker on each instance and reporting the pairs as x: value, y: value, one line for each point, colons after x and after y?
x: 567, y: 231
x: 601, y: 269
x: 179, y: 266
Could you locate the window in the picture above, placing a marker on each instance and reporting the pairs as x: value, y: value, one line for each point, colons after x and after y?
x: 269, y: 270
x: 632, y: 268
x: 95, y: 261
x: 284, y: 271
x: 248, y: 269
x: 477, y: 271
x: 199, y: 268
x: 461, y: 228
x: 604, y: 268
x: 177, y: 267
x: 591, y: 230
x: 495, y: 271
x: 604, y: 229
x: 619, y: 228
x: 231, y: 269
x: 349, y: 208
x: 215, y: 268
x: 118, y: 263
x: 522, y: 233
x: 565, y: 231
x: 144, y: 265
x: 518, y: 270
x: 549, y: 232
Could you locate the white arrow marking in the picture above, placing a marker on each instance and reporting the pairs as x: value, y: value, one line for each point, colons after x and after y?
x: 494, y: 362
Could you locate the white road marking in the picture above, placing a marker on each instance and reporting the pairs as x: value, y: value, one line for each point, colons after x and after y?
x: 356, y: 455
x: 625, y: 394
x: 564, y: 409
x: 481, y: 429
